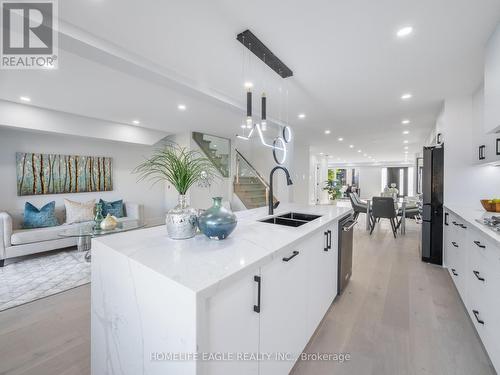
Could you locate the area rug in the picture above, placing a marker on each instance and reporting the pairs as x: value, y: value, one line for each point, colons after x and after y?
x: 39, y: 276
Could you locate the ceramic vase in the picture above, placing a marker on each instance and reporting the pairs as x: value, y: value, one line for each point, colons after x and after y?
x: 109, y: 223
x: 217, y: 222
x: 181, y: 220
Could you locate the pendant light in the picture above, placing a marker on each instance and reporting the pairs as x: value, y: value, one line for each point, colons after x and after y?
x: 263, y: 123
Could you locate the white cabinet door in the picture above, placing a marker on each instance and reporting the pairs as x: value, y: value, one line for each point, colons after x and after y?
x: 447, y: 238
x: 283, y: 308
x: 492, y: 84
x: 322, y: 280
x: 232, y: 326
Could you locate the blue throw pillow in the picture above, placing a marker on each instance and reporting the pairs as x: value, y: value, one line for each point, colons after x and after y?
x: 40, y: 218
x: 114, y: 208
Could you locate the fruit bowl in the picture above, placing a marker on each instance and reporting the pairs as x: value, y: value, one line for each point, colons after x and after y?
x: 491, y: 205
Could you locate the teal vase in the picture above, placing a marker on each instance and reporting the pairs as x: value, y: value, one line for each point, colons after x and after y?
x: 217, y: 222
x: 98, y: 215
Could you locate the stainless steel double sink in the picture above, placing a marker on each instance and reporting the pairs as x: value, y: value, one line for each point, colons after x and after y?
x: 291, y: 219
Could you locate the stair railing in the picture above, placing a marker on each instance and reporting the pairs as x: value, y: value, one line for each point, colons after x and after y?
x: 245, y: 169
x: 210, y: 154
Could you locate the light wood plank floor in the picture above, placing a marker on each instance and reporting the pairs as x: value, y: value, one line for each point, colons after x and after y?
x: 397, y: 316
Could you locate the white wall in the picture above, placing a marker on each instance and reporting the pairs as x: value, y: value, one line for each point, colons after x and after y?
x: 370, y: 181
x: 301, y: 174
x: 125, y: 158
x: 464, y: 182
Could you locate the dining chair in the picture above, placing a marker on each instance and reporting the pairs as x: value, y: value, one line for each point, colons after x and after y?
x: 357, y: 205
x: 383, y: 208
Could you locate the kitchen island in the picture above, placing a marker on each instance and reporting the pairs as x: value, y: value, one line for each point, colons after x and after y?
x: 245, y: 305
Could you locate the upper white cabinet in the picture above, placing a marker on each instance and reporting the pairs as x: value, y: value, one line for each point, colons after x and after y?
x: 492, y: 84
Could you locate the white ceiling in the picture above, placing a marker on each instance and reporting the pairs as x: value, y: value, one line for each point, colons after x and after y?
x: 349, y: 68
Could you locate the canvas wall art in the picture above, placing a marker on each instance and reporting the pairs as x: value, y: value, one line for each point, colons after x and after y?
x: 54, y: 174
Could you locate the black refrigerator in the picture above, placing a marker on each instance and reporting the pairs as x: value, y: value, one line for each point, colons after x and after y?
x: 432, y: 209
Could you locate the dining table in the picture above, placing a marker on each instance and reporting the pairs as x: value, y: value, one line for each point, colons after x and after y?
x: 401, y: 203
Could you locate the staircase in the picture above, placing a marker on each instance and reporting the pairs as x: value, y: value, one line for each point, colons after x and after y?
x: 249, y: 186
x: 216, y: 150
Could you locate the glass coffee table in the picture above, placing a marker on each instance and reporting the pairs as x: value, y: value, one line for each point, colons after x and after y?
x: 85, y: 232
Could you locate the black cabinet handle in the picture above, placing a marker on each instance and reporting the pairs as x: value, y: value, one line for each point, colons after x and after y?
x: 454, y: 271
x: 481, y: 152
x: 462, y: 226
x: 454, y: 223
x: 446, y: 218
x: 329, y: 239
x: 256, y: 307
x: 294, y: 254
x: 477, y: 275
x: 326, y: 243
x: 478, y: 244
x: 454, y: 244
x: 476, y: 314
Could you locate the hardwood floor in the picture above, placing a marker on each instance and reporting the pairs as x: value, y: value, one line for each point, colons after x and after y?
x: 397, y: 316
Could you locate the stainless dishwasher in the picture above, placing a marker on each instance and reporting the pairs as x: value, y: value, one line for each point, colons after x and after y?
x: 346, y: 229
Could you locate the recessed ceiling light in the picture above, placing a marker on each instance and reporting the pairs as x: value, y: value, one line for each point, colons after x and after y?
x: 405, y: 122
x: 406, y: 152
x: 321, y: 153
x: 327, y: 131
x: 351, y: 146
x: 136, y: 122
x: 301, y: 115
x: 406, y: 147
x: 359, y: 150
x: 364, y: 155
x: 181, y: 107
x: 340, y: 139
x: 405, y: 141
x: 406, y: 132
x: 25, y: 99
x: 404, y: 31
x: 248, y: 85
x: 406, y: 96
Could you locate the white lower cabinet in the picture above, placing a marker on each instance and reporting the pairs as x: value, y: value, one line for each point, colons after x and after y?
x: 475, y: 268
x: 322, y: 283
x: 284, y: 309
x: 275, y: 310
x: 232, y: 327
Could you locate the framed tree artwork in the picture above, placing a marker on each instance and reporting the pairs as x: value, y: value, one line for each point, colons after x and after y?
x: 55, y: 174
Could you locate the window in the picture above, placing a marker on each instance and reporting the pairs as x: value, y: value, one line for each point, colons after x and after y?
x: 384, y: 179
x: 411, y: 187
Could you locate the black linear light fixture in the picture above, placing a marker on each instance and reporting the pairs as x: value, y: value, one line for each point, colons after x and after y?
x: 259, y: 49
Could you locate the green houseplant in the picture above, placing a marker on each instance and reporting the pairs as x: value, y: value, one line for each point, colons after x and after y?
x: 182, y: 168
x: 333, y: 188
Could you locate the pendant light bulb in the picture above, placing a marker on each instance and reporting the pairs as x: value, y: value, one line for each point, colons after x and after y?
x: 249, y: 122
x: 263, y: 113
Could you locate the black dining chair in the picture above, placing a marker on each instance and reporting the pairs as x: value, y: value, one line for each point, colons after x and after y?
x: 383, y: 208
x: 357, y: 205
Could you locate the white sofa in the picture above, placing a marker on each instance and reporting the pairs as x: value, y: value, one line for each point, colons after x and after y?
x: 15, y: 241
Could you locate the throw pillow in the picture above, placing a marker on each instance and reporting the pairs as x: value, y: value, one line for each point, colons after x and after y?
x: 40, y: 218
x: 114, y: 208
x: 77, y: 212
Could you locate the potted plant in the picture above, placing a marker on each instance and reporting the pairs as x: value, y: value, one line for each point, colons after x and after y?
x: 332, y: 186
x: 182, y: 168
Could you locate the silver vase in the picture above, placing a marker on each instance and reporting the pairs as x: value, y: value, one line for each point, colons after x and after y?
x: 181, y: 220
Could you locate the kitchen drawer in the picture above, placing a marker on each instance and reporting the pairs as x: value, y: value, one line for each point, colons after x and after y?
x: 488, y: 249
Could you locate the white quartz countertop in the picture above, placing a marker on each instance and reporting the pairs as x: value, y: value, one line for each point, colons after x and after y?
x: 201, y: 264
x: 471, y: 215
